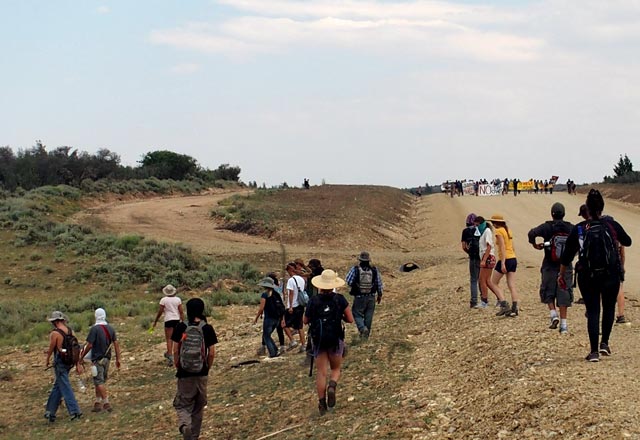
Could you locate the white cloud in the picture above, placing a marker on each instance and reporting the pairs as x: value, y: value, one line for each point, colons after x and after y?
x: 418, y: 28
x: 103, y: 9
x: 185, y: 68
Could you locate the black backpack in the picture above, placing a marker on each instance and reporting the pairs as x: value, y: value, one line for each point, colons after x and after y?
x: 473, y: 246
x: 275, y: 305
x: 599, y: 254
x: 326, y: 328
x: 70, y: 351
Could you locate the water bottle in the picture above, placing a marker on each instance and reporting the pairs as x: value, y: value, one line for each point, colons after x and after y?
x: 81, y: 385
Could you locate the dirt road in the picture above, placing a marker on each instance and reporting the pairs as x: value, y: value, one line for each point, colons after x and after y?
x: 471, y: 374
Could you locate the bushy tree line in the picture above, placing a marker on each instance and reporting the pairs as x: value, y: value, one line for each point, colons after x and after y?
x: 35, y: 167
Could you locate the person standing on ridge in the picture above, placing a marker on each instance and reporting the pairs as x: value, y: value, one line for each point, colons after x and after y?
x: 366, y: 287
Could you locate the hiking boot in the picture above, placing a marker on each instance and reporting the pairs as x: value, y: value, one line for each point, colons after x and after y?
x: 107, y: 407
x: 322, y: 406
x: 505, y: 309
x: 622, y: 320
x: 564, y: 330
x: 604, y: 349
x: 186, y: 432
x: 261, y: 351
x: 514, y: 310
x: 331, y: 394
x: 97, y: 407
x: 554, y: 322
x: 292, y: 345
x: 593, y: 357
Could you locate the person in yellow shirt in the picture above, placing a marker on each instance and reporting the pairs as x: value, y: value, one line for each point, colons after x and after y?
x: 506, y: 263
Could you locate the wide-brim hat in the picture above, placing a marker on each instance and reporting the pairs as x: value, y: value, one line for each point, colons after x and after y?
x: 364, y: 256
x: 498, y: 218
x: 169, y: 290
x: 56, y: 316
x: 267, y: 282
x: 327, y: 280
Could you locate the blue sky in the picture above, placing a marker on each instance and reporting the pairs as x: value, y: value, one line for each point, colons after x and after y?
x: 372, y: 92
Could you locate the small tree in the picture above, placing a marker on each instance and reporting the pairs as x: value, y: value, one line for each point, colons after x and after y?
x: 623, y: 166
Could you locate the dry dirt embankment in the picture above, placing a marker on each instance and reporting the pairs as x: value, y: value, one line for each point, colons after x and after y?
x: 433, y: 368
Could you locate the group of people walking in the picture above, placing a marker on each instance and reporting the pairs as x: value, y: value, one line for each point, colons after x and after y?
x: 311, y: 297
x: 599, y: 242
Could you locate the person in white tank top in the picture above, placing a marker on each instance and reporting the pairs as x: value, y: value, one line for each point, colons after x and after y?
x: 171, y: 306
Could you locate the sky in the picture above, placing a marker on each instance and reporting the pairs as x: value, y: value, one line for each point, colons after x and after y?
x: 397, y: 93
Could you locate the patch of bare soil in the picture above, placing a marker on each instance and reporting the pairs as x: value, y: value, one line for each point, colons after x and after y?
x: 433, y: 368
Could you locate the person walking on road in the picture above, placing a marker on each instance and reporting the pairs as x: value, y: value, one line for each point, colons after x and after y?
x: 470, y: 244
x: 366, y: 287
x: 554, y: 234
x: 506, y: 263
x: 61, y: 386
x: 596, y: 240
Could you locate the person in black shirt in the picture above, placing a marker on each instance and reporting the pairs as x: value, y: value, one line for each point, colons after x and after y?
x: 191, y: 394
x: 470, y: 244
x: 595, y: 286
x: 550, y: 232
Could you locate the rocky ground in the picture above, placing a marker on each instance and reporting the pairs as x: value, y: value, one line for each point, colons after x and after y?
x: 433, y: 368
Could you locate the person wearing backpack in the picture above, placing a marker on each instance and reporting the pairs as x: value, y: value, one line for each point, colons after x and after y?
x: 596, y: 240
x: 325, y: 314
x: 193, y: 354
x: 61, y: 347
x: 471, y: 245
x: 365, y: 282
x: 100, y: 340
x: 554, y: 235
x: 294, y: 307
x: 272, y: 310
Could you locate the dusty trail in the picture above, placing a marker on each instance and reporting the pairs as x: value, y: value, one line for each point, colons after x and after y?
x: 474, y: 375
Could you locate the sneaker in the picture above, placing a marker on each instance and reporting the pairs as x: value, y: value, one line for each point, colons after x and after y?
x: 481, y: 305
x: 75, y: 416
x: 622, y: 320
x: 604, y: 349
x: 505, y: 309
x: 292, y: 345
x: 261, y: 351
x: 107, y: 407
x: 50, y: 417
x: 554, y: 323
x: 593, y: 357
x: 322, y: 406
x: 186, y: 432
x: 331, y: 394
x: 302, y: 349
x: 97, y: 407
x: 564, y: 330
x: 514, y: 311
x: 282, y: 349
x: 364, y: 333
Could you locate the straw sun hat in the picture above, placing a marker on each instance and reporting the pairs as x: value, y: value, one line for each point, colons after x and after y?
x: 328, y: 280
x: 497, y: 218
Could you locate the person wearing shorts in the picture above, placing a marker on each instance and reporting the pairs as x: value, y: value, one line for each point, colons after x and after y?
x: 506, y: 263
x: 328, y: 356
x: 551, y: 293
x: 294, y: 310
x: 101, y: 338
x: 171, y: 306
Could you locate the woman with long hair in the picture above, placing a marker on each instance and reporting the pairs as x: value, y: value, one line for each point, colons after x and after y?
x: 487, y: 263
x: 599, y: 270
x: 506, y: 263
